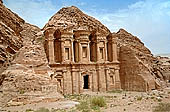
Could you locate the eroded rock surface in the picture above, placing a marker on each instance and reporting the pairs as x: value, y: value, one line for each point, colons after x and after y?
x: 10, y: 37
x: 72, y: 18
x: 23, y: 58
x: 137, y: 61
x: 164, y: 65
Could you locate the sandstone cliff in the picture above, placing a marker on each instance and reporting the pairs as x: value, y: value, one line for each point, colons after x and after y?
x: 23, y: 63
x: 137, y: 61
x: 10, y: 37
x: 164, y: 65
x: 1, y: 1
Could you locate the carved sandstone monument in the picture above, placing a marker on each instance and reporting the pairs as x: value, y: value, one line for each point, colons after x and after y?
x: 82, y: 60
x: 82, y: 57
x: 83, y: 54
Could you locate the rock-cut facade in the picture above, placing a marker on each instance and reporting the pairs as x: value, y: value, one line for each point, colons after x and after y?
x: 82, y: 60
x: 84, y: 55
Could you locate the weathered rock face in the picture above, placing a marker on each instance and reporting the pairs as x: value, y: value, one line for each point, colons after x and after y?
x: 137, y: 62
x: 29, y: 63
x: 164, y: 65
x: 22, y: 56
x: 10, y: 37
x: 134, y: 75
x: 29, y: 70
x: 71, y: 18
x: 127, y: 39
x: 1, y: 1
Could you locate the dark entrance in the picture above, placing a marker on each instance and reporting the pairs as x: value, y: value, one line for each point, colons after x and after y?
x: 86, y: 82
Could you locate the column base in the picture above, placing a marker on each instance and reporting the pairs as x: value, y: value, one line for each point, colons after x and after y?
x: 116, y: 61
x: 118, y: 85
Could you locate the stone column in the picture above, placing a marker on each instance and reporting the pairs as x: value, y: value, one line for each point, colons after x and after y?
x: 76, y: 59
x: 51, y: 50
x: 107, y: 79
x: 95, y: 81
x: 117, y: 79
x: 102, y: 80
x: 62, y: 51
x: 90, y: 82
x: 98, y: 52
x: 105, y: 45
x: 88, y: 52
x: 81, y: 82
x: 72, y: 51
x: 64, y: 83
x: 67, y: 82
x: 80, y: 52
x: 114, y: 52
x: 75, y: 82
x: 98, y: 79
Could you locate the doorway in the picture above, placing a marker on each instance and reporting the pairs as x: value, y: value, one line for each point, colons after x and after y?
x: 86, y: 82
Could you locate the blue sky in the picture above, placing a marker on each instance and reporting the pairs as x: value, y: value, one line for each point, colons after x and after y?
x: 147, y: 19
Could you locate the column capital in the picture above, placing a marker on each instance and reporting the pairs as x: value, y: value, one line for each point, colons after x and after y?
x: 77, y: 40
x: 72, y: 40
x: 64, y: 71
x: 105, y: 41
x: 97, y: 41
x: 62, y: 40
x: 51, y: 39
x: 114, y: 42
x: 84, y: 42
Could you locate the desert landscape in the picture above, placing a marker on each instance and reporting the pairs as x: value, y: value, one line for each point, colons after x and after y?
x: 76, y: 64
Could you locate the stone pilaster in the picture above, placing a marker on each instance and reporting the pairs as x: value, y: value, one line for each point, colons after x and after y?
x: 102, y: 80
x: 51, y: 51
x: 64, y: 84
x: 90, y: 81
x: 88, y: 52
x: 105, y: 46
x: 76, y: 59
x: 107, y: 79
x: 98, y: 52
x: 75, y: 82
x: 114, y: 52
x: 117, y: 80
x: 72, y: 51
x: 79, y: 81
x: 62, y: 51
x: 95, y: 81
x: 80, y: 52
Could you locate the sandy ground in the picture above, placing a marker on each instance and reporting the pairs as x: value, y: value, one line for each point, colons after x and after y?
x: 134, y: 101
x: 49, y: 105
x: 117, y: 101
